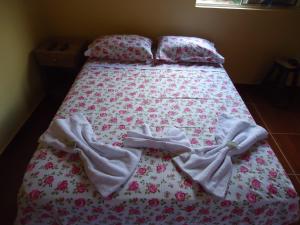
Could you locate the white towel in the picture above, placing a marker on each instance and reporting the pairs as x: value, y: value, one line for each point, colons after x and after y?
x: 211, y: 166
x: 174, y: 140
x: 107, y: 166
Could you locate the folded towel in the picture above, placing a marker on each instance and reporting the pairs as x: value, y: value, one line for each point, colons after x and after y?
x: 211, y: 166
x: 107, y: 166
x: 174, y: 140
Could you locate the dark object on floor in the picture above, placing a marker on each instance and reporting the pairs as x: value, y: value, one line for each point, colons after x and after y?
x: 282, y: 81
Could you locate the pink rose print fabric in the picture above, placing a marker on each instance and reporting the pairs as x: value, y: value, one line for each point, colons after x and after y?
x: 121, y: 48
x: 120, y: 97
x: 174, y: 49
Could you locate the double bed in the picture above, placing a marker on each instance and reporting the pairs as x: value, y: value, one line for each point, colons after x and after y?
x: 118, y: 97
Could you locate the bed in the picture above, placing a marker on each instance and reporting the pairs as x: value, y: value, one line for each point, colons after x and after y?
x: 119, y: 97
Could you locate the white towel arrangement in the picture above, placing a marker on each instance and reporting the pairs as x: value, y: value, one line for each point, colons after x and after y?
x: 174, y: 140
x: 107, y: 166
x: 211, y: 166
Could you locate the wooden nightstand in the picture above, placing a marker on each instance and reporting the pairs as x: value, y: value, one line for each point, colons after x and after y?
x: 282, y: 81
x: 60, y: 60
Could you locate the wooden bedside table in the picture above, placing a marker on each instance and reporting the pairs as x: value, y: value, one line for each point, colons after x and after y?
x: 60, y: 61
x: 282, y: 81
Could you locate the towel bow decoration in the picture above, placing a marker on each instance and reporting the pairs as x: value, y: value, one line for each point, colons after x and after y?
x: 107, y: 166
x: 174, y: 140
x: 211, y: 166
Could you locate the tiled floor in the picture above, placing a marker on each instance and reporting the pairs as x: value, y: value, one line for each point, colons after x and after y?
x: 282, y: 124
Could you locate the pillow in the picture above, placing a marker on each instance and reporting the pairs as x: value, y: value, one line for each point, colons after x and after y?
x: 175, y: 49
x: 122, y: 48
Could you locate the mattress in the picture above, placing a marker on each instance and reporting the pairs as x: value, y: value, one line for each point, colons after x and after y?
x: 119, y: 97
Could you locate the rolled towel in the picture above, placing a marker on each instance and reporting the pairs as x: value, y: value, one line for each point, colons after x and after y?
x: 107, y: 166
x: 211, y: 166
x: 174, y: 140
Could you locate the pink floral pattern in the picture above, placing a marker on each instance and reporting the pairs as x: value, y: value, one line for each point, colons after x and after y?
x: 176, y: 49
x: 122, y: 48
x: 117, y: 98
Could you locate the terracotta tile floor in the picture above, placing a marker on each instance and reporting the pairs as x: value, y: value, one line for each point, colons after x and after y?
x: 283, y: 125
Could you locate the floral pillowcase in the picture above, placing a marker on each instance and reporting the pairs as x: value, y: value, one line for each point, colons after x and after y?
x: 175, y: 49
x: 121, y: 48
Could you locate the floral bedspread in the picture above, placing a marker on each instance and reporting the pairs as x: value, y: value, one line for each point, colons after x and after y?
x: 116, y: 98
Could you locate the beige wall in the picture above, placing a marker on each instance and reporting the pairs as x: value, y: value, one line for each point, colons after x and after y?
x: 20, y: 88
x: 248, y: 39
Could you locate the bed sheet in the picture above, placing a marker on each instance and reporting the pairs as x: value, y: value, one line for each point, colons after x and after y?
x: 118, y: 97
